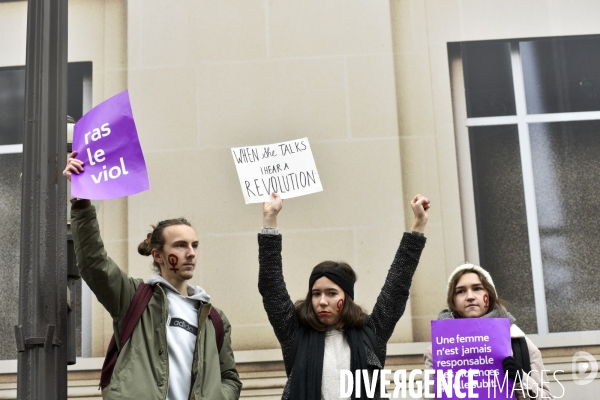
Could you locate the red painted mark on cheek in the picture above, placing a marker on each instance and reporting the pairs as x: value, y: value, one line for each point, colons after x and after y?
x: 173, y: 261
x: 486, y: 301
x: 340, y: 304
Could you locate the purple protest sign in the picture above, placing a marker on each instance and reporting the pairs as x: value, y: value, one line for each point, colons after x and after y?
x: 106, y: 140
x: 478, y: 344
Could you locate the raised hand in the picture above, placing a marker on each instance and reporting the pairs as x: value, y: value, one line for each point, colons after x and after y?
x: 420, y: 206
x: 74, y: 166
x: 271, y: 209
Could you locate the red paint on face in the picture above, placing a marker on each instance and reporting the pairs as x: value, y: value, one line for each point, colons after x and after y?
x: 486, y: 301
x: 340, y: 304
x: 173, y: 261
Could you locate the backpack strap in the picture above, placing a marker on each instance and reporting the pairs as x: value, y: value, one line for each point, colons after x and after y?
x: 371, y: 342
x: 219, y: 328
x: 136, y: 308
x: 521, y: 353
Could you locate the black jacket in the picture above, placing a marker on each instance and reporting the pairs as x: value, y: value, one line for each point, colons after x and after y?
x: 388, y: 309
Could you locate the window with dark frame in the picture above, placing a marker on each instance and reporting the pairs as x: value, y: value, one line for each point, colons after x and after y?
x: 12, y: 108
x: 533, y: 134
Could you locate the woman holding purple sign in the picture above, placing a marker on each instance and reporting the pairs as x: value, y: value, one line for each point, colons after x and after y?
x: 327, y: 332
x: 471, y: 294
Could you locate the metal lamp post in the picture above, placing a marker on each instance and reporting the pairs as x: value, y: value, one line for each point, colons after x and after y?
x: 42, y: 331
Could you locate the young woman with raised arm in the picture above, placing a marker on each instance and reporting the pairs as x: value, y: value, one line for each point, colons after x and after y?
x: 327, y: 332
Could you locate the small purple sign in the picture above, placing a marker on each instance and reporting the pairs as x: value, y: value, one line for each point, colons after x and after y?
x: 106, y: 140
x: 475, y: 347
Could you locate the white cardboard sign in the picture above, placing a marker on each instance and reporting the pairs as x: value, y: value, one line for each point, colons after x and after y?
x: 287, y: 168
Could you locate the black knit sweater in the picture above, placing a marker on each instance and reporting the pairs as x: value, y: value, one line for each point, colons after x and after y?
x: 388, y: 309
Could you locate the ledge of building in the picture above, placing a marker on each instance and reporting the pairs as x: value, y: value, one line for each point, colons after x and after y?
x: 550, y: 341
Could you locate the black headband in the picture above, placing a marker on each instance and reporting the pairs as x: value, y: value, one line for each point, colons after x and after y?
x: 339, y: 277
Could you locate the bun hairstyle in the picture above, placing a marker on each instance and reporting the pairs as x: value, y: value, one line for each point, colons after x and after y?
x: 156, y: 238
x: 352, y: 315
x: 144, y: 247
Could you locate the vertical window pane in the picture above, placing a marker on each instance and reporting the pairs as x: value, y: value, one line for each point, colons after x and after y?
x: 10, y: 250
x: 561, y: 74
x: 12, y: 105
x: 501, y: 219
x: 78, y: 72
x: 488, y: 79
x: 567, y: 186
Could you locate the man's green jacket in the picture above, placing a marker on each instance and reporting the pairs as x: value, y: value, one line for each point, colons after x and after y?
x: 142, y: 369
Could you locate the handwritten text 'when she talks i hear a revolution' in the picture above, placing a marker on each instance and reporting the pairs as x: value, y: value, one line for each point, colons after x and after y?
x: 276, y: 177
x: 99, y: 156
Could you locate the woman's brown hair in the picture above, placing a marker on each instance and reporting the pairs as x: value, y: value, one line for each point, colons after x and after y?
x: 351, y: 316
x: 156, y: 238
x: 491, y: 290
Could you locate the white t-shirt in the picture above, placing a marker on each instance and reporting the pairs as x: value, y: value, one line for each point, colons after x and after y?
x: 336, y: 358
x: 182, y: 332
